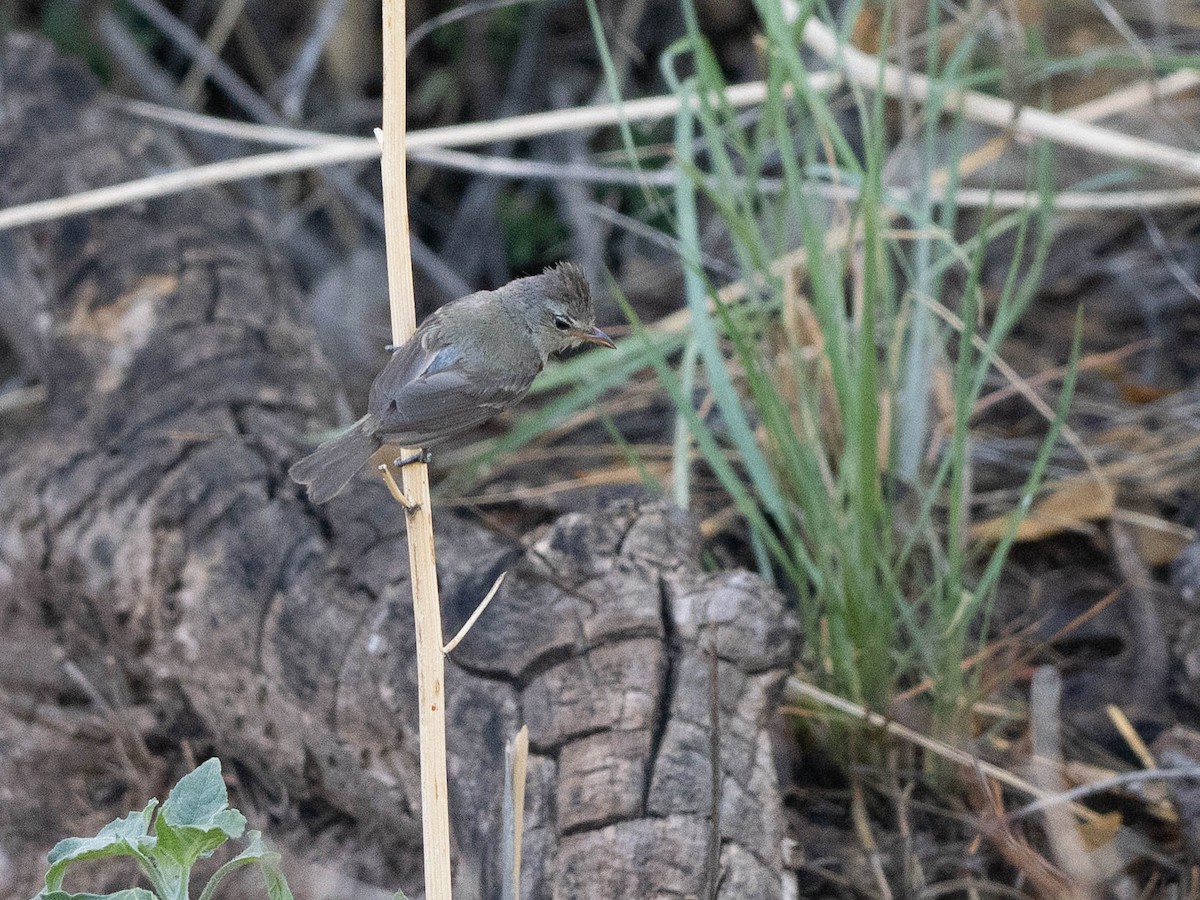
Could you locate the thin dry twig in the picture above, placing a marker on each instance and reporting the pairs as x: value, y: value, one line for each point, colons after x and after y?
x: 214, y: 41
x: 894, y: 195
x: 445, y: 157
x: 474, y: 617
x: 1136, y: 96
x: 798, y: 687
x: 502, y: 167
x: 284, y: 135
x: 222, y: 74
x: 870, y: 847
x: 293, y: 87
x: 1125, y: 779
x: 870, y: 72
x: 460, y: 12
x: 189, y: 179
x: 132, y: 57
x: 1035, y: 870
x: 342, y: 150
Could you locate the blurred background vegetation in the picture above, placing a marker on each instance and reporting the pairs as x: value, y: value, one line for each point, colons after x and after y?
x: 934, y: 376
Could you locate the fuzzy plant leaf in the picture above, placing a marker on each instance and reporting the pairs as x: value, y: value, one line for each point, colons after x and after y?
x: 255, y: 852
x: 193, y: 822
x: 201, y: 801
x: 196, y: 818
x: 277, y: 888
x: 121, y: 837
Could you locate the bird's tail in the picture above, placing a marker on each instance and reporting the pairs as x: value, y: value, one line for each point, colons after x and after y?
x: 330, y: 468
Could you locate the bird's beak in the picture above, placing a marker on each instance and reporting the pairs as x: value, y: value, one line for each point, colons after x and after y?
x: 593, y: 335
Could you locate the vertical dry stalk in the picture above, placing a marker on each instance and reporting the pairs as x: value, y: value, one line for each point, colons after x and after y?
x: 435, y: 810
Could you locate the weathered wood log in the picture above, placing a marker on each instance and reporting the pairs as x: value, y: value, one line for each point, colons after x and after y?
x: 149, y: 533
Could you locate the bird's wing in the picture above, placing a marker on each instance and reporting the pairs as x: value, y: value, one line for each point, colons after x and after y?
x: 426, y: 394
x: 409, y: 361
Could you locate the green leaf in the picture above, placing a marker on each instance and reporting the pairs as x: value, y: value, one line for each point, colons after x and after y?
x: 127, y: 894
x: 254, y: 852
x: 194, y: 821
x: 121, y: 837
x: 277, y: 888
x: 200, y: 801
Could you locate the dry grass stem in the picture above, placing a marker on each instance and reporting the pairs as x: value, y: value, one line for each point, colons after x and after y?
x: 1064, y: 839
x: 474, y: 617
x: 1115, y: 782
x: 316, y: 149
x: 258, y: 166
x: 283, y: 135
x: 1020, y: 385
x: 583, y: 118
x: 1129, y: 734
x: 613, y: 475
x: 1029, y: 122
x: 1136, y: 96
x: 518, y: 771
x: 1091, y: 361
x: 214, y: 41
x: 332, y: 150
x: 797, y: 687
x: 870, y: 847
x: 394, y: 489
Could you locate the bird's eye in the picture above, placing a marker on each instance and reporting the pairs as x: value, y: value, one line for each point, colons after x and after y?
x: 561, y: 323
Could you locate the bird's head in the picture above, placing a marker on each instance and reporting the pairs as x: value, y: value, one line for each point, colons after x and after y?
x: 562, y: 315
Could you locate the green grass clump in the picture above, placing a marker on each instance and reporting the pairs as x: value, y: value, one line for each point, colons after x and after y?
x: 820, y: 374
x: 816, y: 367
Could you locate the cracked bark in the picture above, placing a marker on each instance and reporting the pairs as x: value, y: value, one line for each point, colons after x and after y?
x: 149, y: 535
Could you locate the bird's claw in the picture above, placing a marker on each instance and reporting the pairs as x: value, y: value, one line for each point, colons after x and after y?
x: 392, y: 348
x: 424, y: 455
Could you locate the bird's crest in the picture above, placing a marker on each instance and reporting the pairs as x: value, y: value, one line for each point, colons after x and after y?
x: 567, y: 282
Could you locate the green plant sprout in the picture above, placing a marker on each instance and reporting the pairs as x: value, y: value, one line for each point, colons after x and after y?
x: 193, y: 822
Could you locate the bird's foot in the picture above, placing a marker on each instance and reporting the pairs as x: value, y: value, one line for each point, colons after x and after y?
x: 425, y: 455
x: 398, y: 493
x: 392, y: 348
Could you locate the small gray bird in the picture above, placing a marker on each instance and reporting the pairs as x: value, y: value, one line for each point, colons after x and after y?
x: 470, y: 359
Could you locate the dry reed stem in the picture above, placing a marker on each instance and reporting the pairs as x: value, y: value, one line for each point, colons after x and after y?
x: 520, y: 769
x: 1027, y: 121
x: 257, y: 166
x: 427, y: 613
x: 1129, y: 734
x: 317, y: 149
x: 331, y: 150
